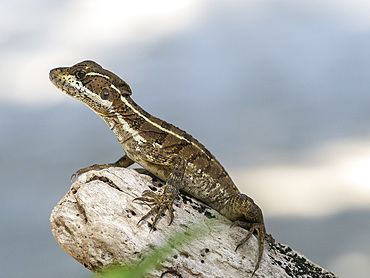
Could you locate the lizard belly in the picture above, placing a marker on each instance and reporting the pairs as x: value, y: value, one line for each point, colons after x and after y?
x: 135, y: 152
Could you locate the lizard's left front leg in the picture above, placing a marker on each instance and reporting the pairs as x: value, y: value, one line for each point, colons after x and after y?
x: 164, y: 201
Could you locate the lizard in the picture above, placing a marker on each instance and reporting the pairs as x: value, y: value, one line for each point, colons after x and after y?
x: 166, y: 151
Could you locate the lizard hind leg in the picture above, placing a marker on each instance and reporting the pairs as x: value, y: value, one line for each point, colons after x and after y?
x: 259, y: 228
x: 249, y: 216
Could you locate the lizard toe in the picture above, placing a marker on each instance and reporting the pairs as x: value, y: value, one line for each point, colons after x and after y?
x: 161, y: 204
x: 259, y: 228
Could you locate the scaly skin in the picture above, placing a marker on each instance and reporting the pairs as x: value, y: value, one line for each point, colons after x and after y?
x: 163, y: 149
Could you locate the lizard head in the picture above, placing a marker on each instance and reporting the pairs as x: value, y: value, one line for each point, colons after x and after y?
x: 89, y: 83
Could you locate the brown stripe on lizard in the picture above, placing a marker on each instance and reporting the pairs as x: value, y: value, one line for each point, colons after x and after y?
x: 166, y: 151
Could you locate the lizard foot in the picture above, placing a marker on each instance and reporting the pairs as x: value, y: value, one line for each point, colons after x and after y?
x: 161, y: 204
x: 259, y: 228
x: 164, y: 201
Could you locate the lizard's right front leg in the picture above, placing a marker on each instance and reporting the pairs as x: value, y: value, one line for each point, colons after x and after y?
x: 164, y: 201
x: 124, y: 162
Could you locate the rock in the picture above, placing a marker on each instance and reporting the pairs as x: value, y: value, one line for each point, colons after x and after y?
x: 96, y: 223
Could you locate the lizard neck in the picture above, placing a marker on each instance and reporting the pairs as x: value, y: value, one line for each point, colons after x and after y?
x: 126, y: 121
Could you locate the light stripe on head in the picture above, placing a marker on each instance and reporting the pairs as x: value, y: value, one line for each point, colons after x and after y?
x: 98, y: 74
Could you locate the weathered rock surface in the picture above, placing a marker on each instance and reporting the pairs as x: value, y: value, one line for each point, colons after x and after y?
x: 96, y: 223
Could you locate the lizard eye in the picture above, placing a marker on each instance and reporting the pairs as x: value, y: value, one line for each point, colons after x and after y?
x: 80, y: 74
x: 104, y: 94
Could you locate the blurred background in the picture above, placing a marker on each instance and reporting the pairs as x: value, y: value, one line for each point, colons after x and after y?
x: 278, y: 91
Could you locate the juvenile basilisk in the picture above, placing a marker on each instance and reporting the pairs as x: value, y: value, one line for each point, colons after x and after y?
x: 166, y: 151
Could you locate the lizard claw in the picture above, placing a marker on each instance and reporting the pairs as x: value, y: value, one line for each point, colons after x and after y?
x: 259, y: 228
x: 74, y: 176
x: 161, y: 204
x: 153, y: 199
x: 124, y: 162
x: 86, y: 169
x: 164, y: 201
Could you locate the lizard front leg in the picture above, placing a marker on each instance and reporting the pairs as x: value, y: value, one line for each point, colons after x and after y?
x: 124, y: 162
x: 164, y: 201
x: 249, y: 216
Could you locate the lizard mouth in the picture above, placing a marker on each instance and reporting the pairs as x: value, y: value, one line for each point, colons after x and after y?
x: 67, y: 83
x: 61, y: 79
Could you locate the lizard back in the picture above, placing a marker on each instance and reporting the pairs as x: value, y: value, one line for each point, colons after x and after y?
x: 147, y: 140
